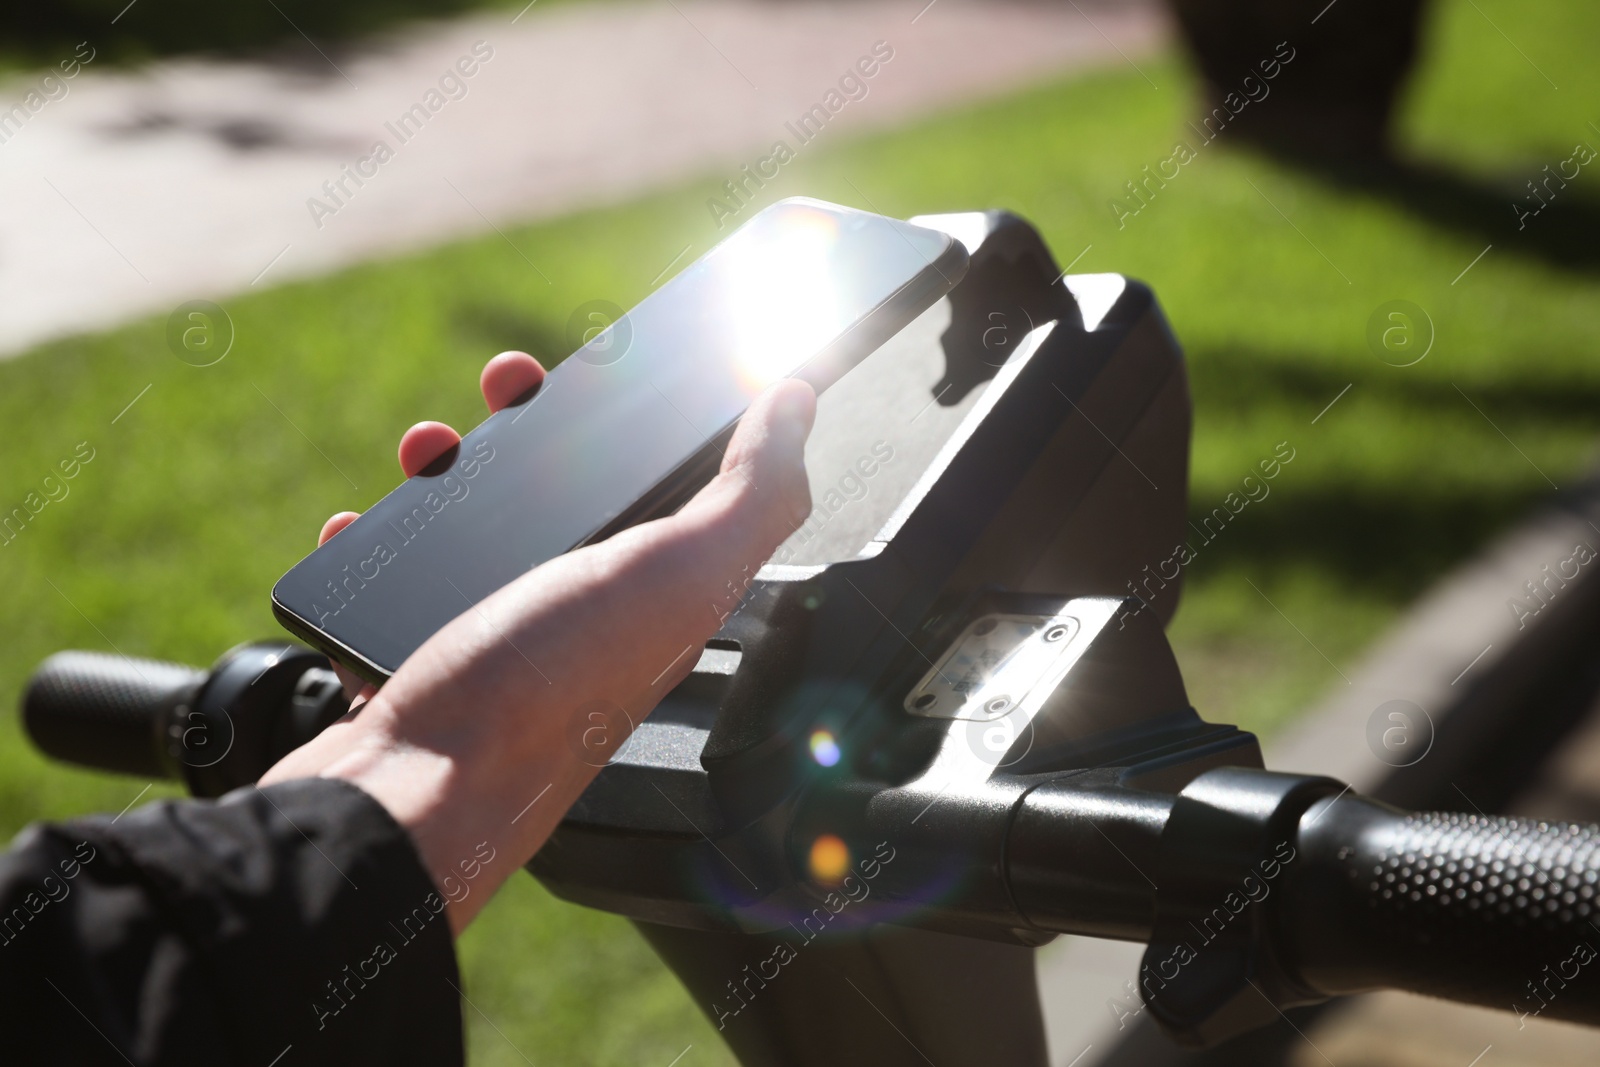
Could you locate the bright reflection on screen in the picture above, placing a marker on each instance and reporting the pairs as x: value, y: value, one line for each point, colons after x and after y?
x: 782, y: 301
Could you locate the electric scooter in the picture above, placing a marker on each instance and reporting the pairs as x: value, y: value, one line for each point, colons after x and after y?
x: 945, y: 726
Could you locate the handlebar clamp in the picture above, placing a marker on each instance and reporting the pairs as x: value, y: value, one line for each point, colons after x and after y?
x: 1211, y: 970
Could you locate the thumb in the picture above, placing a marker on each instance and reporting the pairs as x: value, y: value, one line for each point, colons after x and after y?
x: 761, y: 495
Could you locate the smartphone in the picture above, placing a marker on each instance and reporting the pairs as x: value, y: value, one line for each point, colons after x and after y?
x: 625, y: 429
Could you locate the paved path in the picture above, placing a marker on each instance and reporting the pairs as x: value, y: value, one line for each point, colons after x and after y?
x: 139, y: 190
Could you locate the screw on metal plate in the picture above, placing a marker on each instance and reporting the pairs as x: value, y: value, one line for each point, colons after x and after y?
x: 987, y: 673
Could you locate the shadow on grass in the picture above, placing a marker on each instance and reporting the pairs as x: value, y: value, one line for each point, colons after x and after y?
x: 1244, y: 380
x: 1390, y: 540
x: 1560, y: 227
x: 1391, y: 545
x: 502, y: 328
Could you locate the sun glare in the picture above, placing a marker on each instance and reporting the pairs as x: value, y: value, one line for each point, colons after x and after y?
x: 782, y: 300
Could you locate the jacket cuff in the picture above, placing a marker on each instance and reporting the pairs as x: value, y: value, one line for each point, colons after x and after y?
x: 311, y: 909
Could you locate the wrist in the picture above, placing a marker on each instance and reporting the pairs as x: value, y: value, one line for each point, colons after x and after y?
x: 475, y: 813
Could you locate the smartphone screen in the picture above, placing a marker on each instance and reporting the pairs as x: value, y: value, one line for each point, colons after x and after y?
x: 804, y: 289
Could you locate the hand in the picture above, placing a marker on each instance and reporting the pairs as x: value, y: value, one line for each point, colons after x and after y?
x: 470, y: 745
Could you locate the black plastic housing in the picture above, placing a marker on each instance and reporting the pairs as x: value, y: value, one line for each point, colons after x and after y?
x: 1048, y: 422
x: 1065, y: 476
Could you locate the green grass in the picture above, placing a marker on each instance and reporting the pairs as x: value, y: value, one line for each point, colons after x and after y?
x: 203, y: 492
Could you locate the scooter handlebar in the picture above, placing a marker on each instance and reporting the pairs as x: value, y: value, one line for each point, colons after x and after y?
x: 1483, y: 909
x: 217, y: 730
x: 1277, y: 890
x: 1477, y: 908
x: 103, y: 711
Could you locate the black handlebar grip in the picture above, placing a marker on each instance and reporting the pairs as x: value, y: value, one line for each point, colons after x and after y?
x: 1484, y: 909
x: 106, y: 711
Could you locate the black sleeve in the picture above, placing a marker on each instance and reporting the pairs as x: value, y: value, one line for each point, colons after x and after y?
x: 280, y: 927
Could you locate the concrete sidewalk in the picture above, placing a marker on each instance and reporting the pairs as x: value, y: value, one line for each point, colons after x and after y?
x: 136, y: 191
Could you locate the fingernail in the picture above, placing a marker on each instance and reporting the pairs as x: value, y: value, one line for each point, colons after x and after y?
x: 794, y: 407
x: 788, y: 405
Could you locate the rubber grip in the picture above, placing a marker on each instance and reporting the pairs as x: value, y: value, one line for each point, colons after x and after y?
x: 1477, y: 908
x: 105, y: 711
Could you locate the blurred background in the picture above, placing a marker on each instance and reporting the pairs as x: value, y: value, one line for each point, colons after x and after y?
x: 1374, y: 227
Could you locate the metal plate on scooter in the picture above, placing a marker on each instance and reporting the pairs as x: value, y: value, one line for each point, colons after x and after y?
x: 993, y: 667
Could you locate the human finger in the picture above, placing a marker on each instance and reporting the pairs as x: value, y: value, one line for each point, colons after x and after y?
x: 424, y: 443
x: 336, y: 523
x: 507, y: 377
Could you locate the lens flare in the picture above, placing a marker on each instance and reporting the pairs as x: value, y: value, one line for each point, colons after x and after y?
x: 824, y: 749
x: 830, y: 859
x: 782, y: 304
